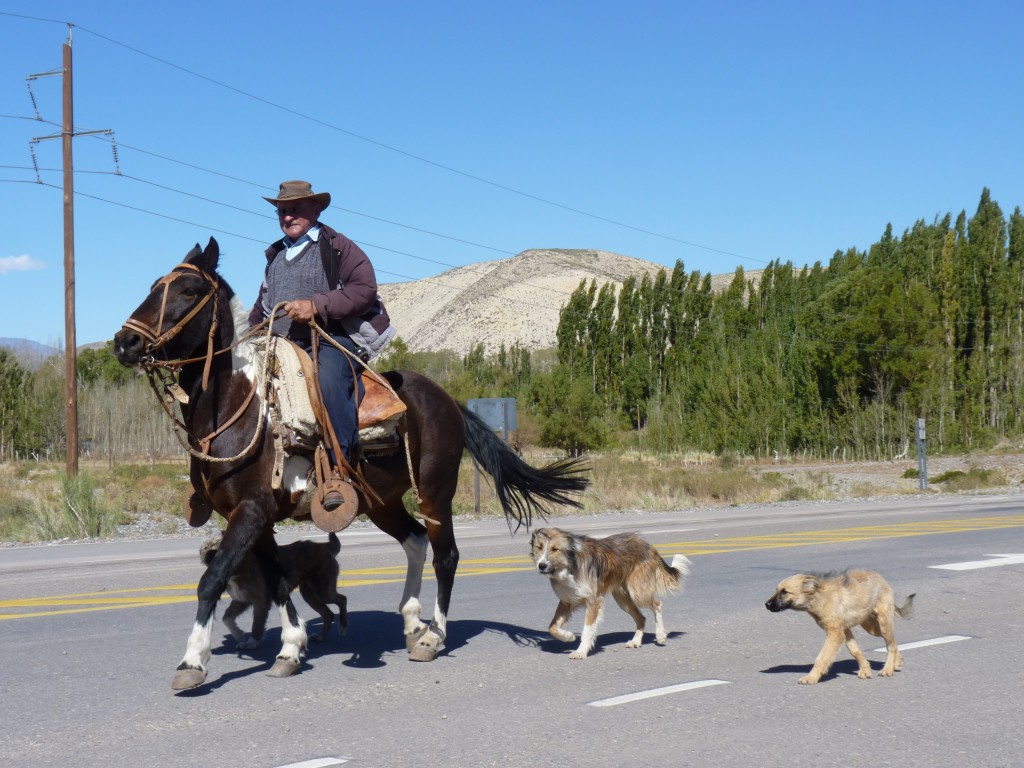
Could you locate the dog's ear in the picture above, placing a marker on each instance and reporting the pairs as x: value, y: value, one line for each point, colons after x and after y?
x: 810, y: 585
x: 572, y: 545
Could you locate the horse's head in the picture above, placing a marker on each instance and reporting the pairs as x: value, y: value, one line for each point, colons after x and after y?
x: 179, y: 318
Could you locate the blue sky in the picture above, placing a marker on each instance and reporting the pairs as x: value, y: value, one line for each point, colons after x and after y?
x: 449, y: 133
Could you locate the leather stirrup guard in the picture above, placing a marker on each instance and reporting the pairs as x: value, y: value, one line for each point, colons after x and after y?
x: 339, y: 518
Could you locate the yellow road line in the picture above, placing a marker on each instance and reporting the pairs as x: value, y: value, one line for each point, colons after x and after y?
x: 108, y: 600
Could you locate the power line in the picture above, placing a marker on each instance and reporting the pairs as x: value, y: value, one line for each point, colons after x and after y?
x: 265, y: 188
x: 154, y: 213
x: 32, y: 18
x: 261, y: 241
x: 388, y: 147
x: 360, y: 242
x: 837, y: 344
x: 410, y: 155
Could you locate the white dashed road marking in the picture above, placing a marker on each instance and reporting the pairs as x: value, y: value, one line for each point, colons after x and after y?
x: 640, y: 695
x: 318, y: 762
x: 974, y: 564
x: 926, y: 643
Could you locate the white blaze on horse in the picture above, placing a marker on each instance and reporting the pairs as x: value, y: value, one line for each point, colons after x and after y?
x: 188, y: 334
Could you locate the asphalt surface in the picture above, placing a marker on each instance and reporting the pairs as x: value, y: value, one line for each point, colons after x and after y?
x: 92, y: 634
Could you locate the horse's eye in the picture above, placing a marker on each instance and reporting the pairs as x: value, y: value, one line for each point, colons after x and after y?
x: 189, y: 293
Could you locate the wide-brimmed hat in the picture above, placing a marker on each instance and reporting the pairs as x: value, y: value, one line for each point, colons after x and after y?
x: 294, y: 191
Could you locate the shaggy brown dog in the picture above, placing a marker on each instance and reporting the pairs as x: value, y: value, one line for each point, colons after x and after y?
x: 839, y: 602
x: 582, y: 570
x: 311, y: 566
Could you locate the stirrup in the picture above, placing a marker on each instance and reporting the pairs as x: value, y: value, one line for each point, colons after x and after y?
x: 336, y: 513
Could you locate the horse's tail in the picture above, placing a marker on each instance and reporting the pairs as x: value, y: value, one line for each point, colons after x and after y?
x: 520, y: 487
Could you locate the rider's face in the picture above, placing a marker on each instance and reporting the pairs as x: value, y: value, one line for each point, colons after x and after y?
x: 296, y: 218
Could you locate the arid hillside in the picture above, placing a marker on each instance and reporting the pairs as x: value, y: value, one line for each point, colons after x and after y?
x: 507, y: 301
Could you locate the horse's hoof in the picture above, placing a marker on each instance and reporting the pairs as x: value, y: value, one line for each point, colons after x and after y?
x: 423, y: 652
x: 188, y: 678
x: 425, y: 649
x: 412, y: 639
x: 283, y: 668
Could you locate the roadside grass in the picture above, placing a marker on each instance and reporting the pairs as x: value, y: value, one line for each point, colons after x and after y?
x: 42, y: 504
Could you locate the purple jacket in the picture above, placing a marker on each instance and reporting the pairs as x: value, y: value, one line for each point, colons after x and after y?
x: 353, y: 307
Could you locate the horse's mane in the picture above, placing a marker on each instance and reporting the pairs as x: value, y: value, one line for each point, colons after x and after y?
x: 242, y: 359
x: 241, y: 356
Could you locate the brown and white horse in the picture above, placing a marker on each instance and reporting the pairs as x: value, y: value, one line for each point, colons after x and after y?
x: 190, y: 325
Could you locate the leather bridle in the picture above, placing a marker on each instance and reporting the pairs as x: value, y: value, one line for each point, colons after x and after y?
x: 160, y: 372
x: 156, y: 337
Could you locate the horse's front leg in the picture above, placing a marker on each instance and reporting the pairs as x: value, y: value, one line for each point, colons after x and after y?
x: 245, y: 529
x: 191, y: 672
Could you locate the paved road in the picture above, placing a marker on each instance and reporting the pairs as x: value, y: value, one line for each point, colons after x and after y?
x: 92, y: 633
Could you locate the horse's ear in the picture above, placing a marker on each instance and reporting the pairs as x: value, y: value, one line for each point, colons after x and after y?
x: 211, y: 256
x: 206, y: 259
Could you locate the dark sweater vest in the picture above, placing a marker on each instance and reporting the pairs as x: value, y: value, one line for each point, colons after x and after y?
x: 297, y: 279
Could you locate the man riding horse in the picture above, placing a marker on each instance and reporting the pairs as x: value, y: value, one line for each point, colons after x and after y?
x: 315, y: 272
x: 180, y: 336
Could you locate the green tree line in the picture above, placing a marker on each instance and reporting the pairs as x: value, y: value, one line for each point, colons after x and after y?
x: 844, y: 357
x: 836, y: 360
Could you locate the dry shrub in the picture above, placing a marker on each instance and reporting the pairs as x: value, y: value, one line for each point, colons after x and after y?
x: 864, y: 491
x: 975, y: 478
x: 661, y: 483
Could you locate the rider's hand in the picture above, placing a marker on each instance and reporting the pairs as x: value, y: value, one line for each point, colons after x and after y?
x: 301, y: 310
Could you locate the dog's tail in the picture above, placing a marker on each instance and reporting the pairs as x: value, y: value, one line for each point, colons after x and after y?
x: 904, y: 610
x: 671, y: 577
x: 208, y: 549
x: 335, y: 544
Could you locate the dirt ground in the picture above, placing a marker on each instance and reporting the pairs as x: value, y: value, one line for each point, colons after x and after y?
x: 874, y: 478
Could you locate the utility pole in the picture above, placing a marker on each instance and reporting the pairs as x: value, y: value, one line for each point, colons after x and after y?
x: 70, y: 347
x: 70, y: 343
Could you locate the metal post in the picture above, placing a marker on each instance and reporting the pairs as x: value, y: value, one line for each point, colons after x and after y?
x: 922, y: 457
x: 70, y: 352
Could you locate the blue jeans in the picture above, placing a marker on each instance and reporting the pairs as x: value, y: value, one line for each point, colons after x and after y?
x: 338, y: 389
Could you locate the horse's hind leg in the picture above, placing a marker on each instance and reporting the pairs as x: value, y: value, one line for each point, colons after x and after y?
x: 396, y: 522
x: 446, y: 561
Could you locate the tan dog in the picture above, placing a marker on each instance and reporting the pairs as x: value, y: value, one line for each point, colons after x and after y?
x: 309, y: 565
x: 839, y: 602
x: 582, y: 570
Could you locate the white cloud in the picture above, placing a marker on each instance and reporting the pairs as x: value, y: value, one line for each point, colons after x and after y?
x: 19, y: 264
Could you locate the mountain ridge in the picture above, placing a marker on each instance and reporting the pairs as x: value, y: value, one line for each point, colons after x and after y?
x: 506, y: 301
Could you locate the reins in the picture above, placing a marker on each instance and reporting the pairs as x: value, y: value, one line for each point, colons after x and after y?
x: 161, y: 373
